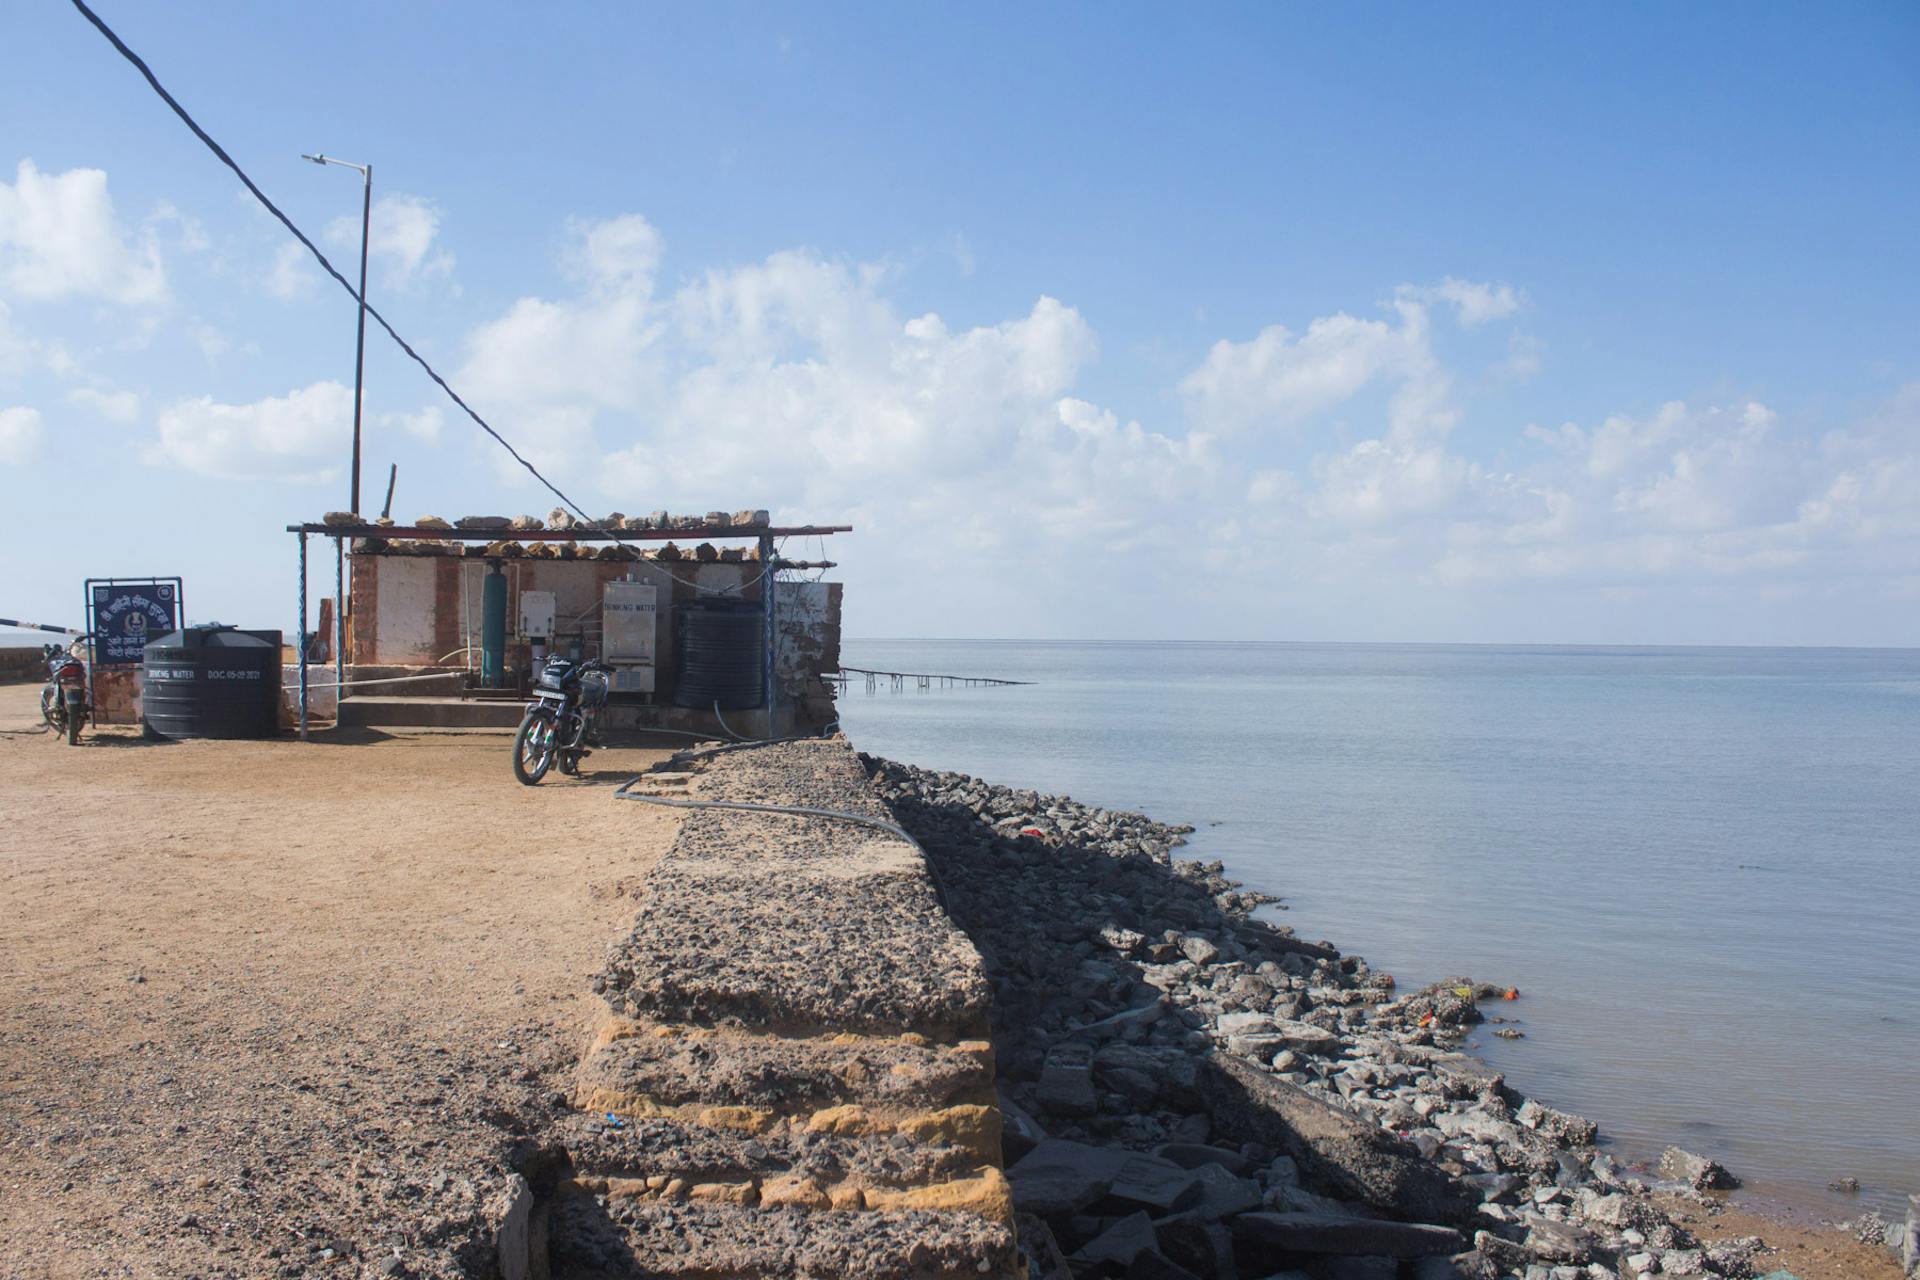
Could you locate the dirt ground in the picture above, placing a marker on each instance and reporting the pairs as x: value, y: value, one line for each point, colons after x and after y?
x: 269, y: 1008
x: 1812, y: 1252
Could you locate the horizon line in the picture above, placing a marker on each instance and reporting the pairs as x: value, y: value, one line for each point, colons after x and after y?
x: 1401, y: 644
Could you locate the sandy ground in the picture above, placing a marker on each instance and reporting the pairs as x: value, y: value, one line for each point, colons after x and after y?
x: 274, y: 1009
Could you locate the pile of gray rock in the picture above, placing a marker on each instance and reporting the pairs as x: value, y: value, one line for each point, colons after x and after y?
x: 1191, y: 1090
x: 561, y: 518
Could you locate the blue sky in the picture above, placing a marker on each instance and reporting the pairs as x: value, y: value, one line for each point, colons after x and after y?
x: 1334, y: 322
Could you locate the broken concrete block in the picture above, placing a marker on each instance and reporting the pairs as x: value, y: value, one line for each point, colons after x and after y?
x: 1191, y: 1155
x: 513, y: 1237
x: 1360, y: 1269
x: 1058, y: 1178
x: 1019, y: 1131
x: 1154, y: 1265
x: 1040, y: 1250
x: 1152, y: 1183
x: 1222, y: 1194
x: 1119, y: 1243
x: 1552, y: 1241
x: 1697, y: 1172
x: 1285, y: 1233
x: 1568, y: 1129
x: 1066, y: 1080
x: 1334, y: 1148
x: 1202, y: 1247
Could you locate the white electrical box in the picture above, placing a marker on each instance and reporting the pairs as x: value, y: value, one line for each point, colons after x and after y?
x: 627, y: 617
x: 631, y: 680
x: 536, y: 615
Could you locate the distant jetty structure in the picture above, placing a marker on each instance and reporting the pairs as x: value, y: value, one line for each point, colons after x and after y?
x: 922, y: 680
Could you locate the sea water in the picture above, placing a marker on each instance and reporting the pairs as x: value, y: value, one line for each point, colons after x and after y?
x: 1701, y: 867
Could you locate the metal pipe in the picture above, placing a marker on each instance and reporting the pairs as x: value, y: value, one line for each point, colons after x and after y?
x: 302, y: 633
x: 493, y: 627
x: 339, y: 616
x: 360, y: 338
x: 769, y: 590
x: 466, y: 613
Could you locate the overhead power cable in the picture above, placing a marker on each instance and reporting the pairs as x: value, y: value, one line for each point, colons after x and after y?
x: 220, y: 152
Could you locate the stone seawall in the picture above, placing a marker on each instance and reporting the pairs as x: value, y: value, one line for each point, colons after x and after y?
x: 793, y: 1074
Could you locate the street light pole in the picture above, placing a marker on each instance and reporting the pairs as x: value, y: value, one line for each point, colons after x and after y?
x: 360, y: 338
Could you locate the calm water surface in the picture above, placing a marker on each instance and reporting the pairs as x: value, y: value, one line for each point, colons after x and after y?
x: 1701, y: 866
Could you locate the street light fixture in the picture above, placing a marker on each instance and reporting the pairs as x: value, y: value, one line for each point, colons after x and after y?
x: 360, y: 341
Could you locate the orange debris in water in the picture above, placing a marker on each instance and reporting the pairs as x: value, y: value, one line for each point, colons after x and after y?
x: 1513, y: 993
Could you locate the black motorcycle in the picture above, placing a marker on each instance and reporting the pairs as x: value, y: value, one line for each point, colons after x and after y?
x: 63, y: 700
x: 560, y: 724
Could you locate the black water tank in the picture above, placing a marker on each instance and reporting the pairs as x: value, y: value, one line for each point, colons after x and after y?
x: 212, y: 682
x: 722, y: 647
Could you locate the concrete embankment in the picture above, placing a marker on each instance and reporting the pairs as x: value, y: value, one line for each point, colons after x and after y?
x: 793, y: 1075
x: 1027, y: 1040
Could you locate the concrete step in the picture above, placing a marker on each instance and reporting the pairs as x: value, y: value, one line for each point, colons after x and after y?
x: 429, y: 713
x: 718, y: 1229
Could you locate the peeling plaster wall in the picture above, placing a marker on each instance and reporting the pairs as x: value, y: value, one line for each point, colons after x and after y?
x: 807, y: 644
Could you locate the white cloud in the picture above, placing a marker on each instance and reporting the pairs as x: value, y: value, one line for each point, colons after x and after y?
x: 1379, y: 482
x: 212, y: 343
x: 17, y: 351
x: 115, y: 406
x: 424, y: 425
x: 961, y: 251
x: 401, y: 234
x: 1525, y: 355
x: 1685, y: 494
x: 798, y: 383
x: 1278, y: 380
x: 293, y: 273
x: 302, y: 435
x: 59, y: 239
x: 21, y: 355
x: 620, y: 253
x: 1473, y: 303
x: 20, y: 433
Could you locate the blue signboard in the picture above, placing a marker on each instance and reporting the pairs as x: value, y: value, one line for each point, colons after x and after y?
x: 125, y: 614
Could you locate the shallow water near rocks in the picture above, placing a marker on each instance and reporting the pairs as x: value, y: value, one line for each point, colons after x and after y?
x: 1700, y: 866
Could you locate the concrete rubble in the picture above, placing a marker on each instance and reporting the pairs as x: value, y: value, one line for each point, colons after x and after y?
x: 1189, y: 1090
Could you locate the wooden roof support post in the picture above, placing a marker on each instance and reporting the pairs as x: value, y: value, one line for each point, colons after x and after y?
x: 767, y: 597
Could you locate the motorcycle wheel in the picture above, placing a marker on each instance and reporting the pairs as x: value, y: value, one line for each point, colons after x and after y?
x: 533, y: 747
x: 51, y: 708
x: 76, y: 712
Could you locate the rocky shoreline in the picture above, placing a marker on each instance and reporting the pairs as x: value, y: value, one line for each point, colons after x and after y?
x: 1189, y: 1090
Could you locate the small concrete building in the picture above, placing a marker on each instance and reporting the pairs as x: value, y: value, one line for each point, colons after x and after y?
x: 419, y: 601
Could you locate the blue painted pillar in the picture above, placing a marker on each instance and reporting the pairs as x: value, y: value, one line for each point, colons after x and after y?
x: 493, y: 628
